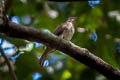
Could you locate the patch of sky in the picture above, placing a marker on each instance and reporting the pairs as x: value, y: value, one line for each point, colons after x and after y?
x: 15, y: 19
x: 36, y: 76
x: 1, y: 41
x: 61, y: 6
x: 94, y: 36
x: 13, y: 58
x: 118, y: 47
x: 46, y: 62
x: 38, y: 45
x: 61, y: 53
x: 10, y: 51
x: 26, y: 19
x: 92, y: 3
x: 8, y: 47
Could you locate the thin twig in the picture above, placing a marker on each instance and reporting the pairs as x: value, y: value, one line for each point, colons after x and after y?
x: 8, y: 64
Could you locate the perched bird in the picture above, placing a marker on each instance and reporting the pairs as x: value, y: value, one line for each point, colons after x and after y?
x: 64, y: 31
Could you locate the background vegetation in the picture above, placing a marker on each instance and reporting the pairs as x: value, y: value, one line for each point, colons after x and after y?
x: 97, y: 29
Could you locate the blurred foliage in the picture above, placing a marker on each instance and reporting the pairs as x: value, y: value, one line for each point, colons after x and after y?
x: 103, y: 20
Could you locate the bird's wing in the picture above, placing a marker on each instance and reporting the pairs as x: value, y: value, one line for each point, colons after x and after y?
x: 59, y: 30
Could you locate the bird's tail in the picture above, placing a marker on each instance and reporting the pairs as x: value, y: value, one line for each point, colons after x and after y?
x: 43, y: 57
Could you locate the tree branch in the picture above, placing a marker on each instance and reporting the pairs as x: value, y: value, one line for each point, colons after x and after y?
x: 3, y: 23
x: 80, y: 54
x: 8, y: 64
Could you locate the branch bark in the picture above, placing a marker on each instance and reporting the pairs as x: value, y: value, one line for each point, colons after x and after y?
x: 3, y: 22
x: 8, y: 64
x: 80, y: 54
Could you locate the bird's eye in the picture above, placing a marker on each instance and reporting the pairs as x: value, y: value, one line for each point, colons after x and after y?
x: 72, y: 19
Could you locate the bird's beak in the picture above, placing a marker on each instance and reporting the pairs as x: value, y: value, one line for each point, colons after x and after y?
x: 74, y: 19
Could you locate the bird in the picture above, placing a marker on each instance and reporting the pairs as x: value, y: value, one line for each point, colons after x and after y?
x: 64, y: 31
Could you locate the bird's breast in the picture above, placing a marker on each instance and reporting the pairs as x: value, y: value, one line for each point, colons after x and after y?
x: 68, y: 32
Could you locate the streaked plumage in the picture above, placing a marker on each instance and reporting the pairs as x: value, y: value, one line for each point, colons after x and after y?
x: 64, y: 31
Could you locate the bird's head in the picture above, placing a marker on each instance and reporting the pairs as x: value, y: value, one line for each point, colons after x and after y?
x: 71, y: 19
